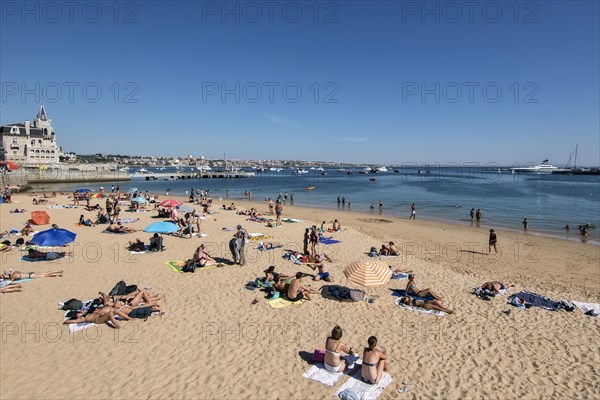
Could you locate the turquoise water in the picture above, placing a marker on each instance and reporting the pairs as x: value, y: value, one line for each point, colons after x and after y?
x: 549, y: 202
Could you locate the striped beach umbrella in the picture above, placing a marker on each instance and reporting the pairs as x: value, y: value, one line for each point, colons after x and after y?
x: 368, y: 273
x: 99, y: 196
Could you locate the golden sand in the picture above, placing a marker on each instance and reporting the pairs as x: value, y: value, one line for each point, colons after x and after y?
x: 214, y: 343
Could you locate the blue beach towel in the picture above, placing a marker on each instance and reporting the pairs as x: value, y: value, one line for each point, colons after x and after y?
x: 328, y: 241
x: 537, y: 300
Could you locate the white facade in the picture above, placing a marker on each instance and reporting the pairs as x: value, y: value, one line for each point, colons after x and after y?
x: 27, y: 144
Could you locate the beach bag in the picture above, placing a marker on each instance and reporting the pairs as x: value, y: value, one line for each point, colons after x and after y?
x: 72, y: 305
x: 357, y: 295
x: 190, y: 268
x: 131, y: 289
x: 318, y: 356
x: 118, y: 289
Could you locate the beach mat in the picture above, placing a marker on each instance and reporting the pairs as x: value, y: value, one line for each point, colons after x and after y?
x: 292, y: 220
x: 176, y: 266
x: 329, y: 241
x: 128, y: 220
x: 29, y: 259
x: 399, y: 275
x: 281, y: 303
x: 402, y: 293
x: 419, y: 309
x: 538, y: 300
x: 362, y: 389
x: 318, y: 372
x: 591, y: 309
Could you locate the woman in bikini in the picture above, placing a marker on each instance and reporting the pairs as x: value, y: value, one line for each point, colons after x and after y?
x: 99, y: 316
x: 426, y: 304
x: 375, y: 361
x: 412, y: 290
x: 334, y: 349
x: 12, y: 275
x: 495, y: 286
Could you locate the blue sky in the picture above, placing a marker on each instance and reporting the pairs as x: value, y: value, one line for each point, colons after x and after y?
x: 355, y: 81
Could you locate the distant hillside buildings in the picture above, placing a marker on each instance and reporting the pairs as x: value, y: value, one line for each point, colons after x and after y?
x: 30, y: 144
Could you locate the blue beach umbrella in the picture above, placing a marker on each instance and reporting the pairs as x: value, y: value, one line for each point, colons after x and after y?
x: 83, y: 190
x: 139, y: 199
x: 161, y: 227
x: 53, y: 237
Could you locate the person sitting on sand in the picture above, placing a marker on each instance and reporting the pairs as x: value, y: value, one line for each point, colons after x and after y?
x: 495, y: 286
x: 6, y: 246
x: 323, y: 273
x: 200, y: 258
x: 297, y: 291
x: 393, y: 250
x: 336, y: 226
x: 271, y: 275
x: 51, y: 255
x: 156, y: 243
x: 12, y: 275
x: 137, y: 246
x: 85, y: 222
x: 426, y: 304
x: 412, y: 290
x: 385, y: 250
x: 40, y: 201
x: 374, y: 362
x: 27, y: 230
x: 119, y: 228
x: 334, y: 348
x: 18, y: 211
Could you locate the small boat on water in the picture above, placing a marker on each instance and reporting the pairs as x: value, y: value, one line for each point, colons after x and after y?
x: 309, y: 188
x: 372, y: 179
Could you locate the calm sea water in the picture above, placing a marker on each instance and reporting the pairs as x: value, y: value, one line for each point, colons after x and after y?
x: 549, y: 202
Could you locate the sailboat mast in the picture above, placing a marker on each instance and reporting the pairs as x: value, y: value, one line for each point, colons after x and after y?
x: 575, y: 162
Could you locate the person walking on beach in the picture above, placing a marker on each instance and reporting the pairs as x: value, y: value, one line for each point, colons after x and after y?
x: 478, y: 216
x: 242, y: 237
x: 343, y: 201
x: 314, y: 240
x: 292, y: 199
x: 306, y: 240
x: 339, y: 200
x: 525, y: 226
x: 413, y: 212
x: 472, y: 215
x: 271, y: 206
x: 492, y: 242
x: 278, y: 212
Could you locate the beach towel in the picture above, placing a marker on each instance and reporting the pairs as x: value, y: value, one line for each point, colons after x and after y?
x: 5, y: 283
x: 176, y: 266
x: 229, y: 229
x: 591, y: 309
x: 399, y: 275
x: 258, y: 236
x: 280, y: 302
x: 128, y: 220
x: 292, y: 220
x: 402, y: 293
x: 361, y: 389
x: 258, y: 219
x: 419, y: 309
x: 29, y: 259
x: 318, y: 372
x: 328, y: 241
x: 478, y: 291
x: 296, y: 258
x: 529, y: 299
x: 199, y: 234
x: 262, y: 247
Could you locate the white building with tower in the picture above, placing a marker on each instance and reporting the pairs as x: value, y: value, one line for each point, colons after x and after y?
x: 30, y: 144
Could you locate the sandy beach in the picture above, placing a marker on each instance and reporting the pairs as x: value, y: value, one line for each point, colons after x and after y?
x: 213, y: 343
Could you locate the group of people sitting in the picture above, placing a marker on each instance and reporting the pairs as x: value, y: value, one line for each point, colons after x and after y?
x: 422, y: 298
x: 200, y: 259
x: 290, y: 288
x: 107, y: 308
x: 156, y: 244
x: 386, y: 250
x: 119, y: 228
x: 374, y: 358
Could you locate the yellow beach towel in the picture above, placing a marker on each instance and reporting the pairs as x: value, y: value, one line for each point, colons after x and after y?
x: 280, y: 303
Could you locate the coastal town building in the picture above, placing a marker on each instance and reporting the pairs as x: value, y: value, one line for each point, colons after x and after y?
x: 30, y: 144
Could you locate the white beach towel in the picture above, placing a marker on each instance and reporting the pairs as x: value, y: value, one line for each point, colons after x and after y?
x: 592, y: 308
x: 419, y: 309
x: 318, y: 372
x: 364, y: 390
x: 199, y: 234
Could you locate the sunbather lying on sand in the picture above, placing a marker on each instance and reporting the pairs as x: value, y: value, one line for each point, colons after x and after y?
x: 12, y: 275
x: 263, y: 246
x: 10, y: 287
x: 98, y: 316
x: 51, y: 255
x: 138, y: 245
x: 426, y: 304
x: 495, y: 286
x: 412, y: 289
x: 119, y: 228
